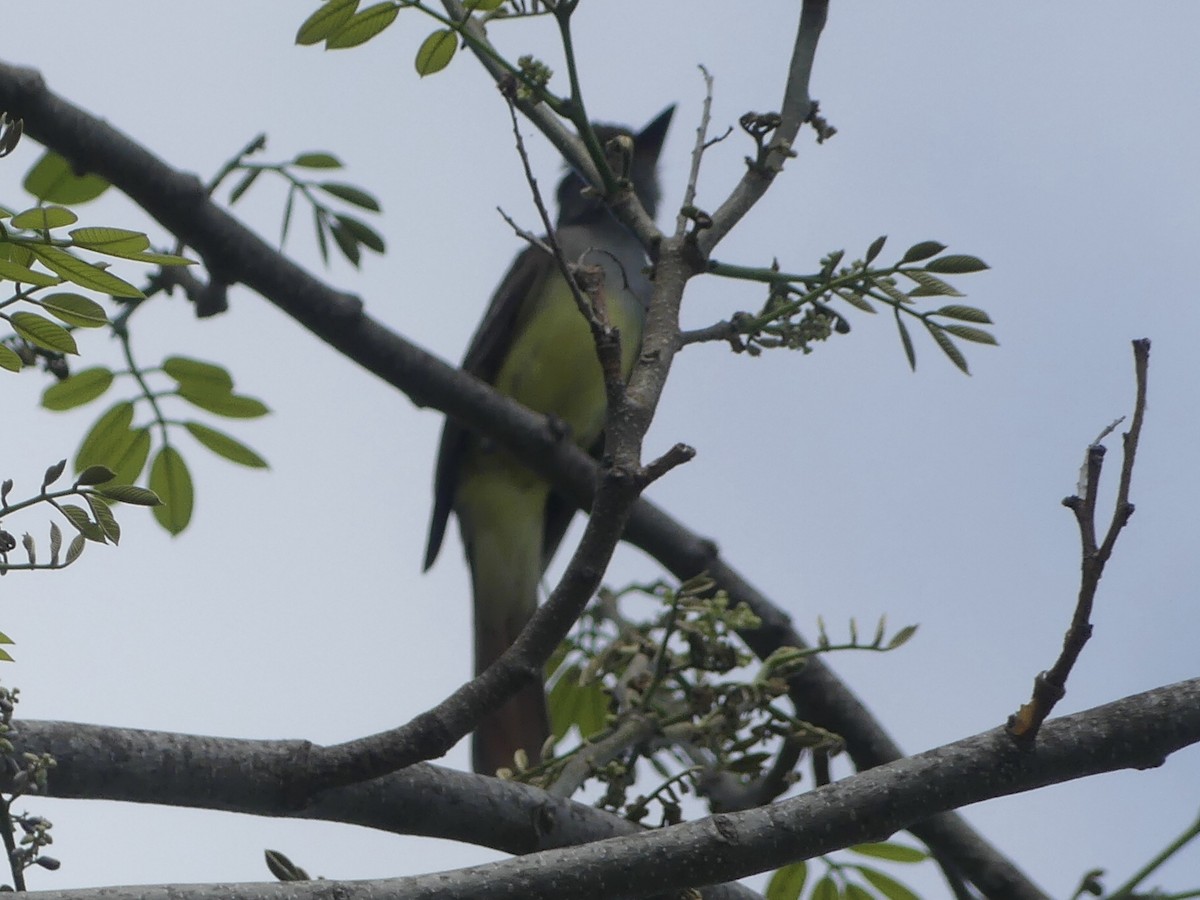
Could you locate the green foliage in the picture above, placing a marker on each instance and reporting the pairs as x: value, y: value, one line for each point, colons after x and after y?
x: 851, y: 880
x: 436, y: 52
x: 171, y: 480
x: 329, y: 19
x: 26, y: 835
x: 115, y: 442
x: 679, y: 692
x: 52, y: 180
x: 96, y: 488
x: 788, y: 883
x: 798, y: 311
x: 348, y: 233
x: 339, y: 24
x: 36, y: 255
x: 283, y: 868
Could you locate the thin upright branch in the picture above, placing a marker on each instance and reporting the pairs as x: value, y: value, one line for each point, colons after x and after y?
x: 797, y: 107
x: 1050, y: 686
x: 701, y: 144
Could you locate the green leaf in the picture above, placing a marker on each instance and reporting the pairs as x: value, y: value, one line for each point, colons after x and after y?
x: 171, y: 481
x: 74, y: 309
x: 787, y: 883
x: 948, y: 347
x: 41, y: 332
x: 906, y: 341
x: 112, y: 241
x: 346, y: 243
x: 287, y: 215
x: 131, y: 493
x: 858, y: 301
x: 363, y: 233
x: 435, y: 52
x: 902, y: 637
x: 857, y: 892
x: 362, y: 26
x: 161, y: 259
x: 923, y: 250
x: 244, y: 185
x: 223, y: 445
x: 131, y: 455
x: 967, y: 333
x: 78, y: 517
x: 14, y: 271
x: 897, y: 295
x: 964, y: 313
x: 886, y: 884
x: 901, y: 853
x: 83, y: 273
x: 53, y: 473
x: 283, y: 868
x: 317, y: 160
x: 102, y: 513
x: 957, y: 264
x: 82, y: 387
x: 43, y: 218
x: 107, y: 436
x: 53, y: 180
x: 17, y: 252
x: 929, y: 285
x: 232, y: 406
x: 875, y: 248
x: 330, y: 16
x: 103, y: 434
x: 350, y: 194
x: 825, y: 889
x: 199, y: 376
x: 75, y: 549
x: 322, y: 240
x: 9, y: 360
x: 572, y: 704
x: 93, y: 475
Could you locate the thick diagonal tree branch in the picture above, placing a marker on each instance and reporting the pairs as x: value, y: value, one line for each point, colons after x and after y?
x: 1137, y: 732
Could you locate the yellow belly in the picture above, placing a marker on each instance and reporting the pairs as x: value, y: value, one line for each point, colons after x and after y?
x: 552, y: 366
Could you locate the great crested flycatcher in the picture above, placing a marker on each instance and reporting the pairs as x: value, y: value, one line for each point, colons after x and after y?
x: 535, y: 346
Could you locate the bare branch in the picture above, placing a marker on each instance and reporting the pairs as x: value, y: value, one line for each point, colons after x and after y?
x: 1137, y: 732
x: 796, y: 109
x: 1049, y: 687
x: 702, y: 144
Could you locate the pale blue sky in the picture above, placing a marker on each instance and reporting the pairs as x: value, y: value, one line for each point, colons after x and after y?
x: 1058, y: 142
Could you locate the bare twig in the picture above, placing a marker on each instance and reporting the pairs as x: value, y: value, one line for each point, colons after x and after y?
x: 1050, y: 686
x: 689, y: 194
x: 796, y: 109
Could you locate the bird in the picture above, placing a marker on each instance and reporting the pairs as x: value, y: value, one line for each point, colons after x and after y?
x: 535, y: 346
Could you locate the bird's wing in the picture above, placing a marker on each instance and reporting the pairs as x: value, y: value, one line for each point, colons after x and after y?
x: 486, y: 352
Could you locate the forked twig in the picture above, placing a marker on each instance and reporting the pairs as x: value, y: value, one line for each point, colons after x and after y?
x: 1050, y: 686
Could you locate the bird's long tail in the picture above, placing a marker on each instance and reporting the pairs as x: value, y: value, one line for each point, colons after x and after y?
x: 502, y: 524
